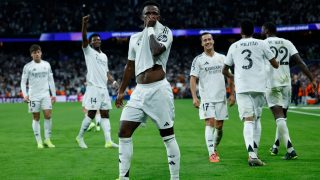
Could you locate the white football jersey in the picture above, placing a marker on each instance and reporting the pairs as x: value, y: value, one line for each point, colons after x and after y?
x: 97, y: 67
x: 40, y: 79
x: 139, y: 48
x: 211, y: 80
x: 283, y: 50
x: 249, y: 56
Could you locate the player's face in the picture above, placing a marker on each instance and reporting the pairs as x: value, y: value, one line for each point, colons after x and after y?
x: 36, y: 55
x: 207, y: 41
x: 152, y: 12
x: 95, y: 42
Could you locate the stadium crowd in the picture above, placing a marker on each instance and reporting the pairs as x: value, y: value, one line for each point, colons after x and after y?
x: 35, y: 17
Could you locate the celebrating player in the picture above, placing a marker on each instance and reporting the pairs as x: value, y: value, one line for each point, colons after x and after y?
x: 97, y: 95
x: 207, y: 67
x: 153, y: 97
x: 39, y: 76
x: 249, y: 56
x: 279, y: 86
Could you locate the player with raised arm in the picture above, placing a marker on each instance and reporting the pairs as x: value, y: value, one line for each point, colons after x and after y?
x: 279, y: 86
x: 38, y: 75
x: 96, y: 95
x: 153, y: 97
x: 207, y: 68
x: 249, y: 56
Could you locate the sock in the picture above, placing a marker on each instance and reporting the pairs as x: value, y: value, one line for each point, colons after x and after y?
x: 125, y: 155
x: 98, y: 119
x: 47, y: 128
x: 37, y: 130
x: 256, y: 135
x: 217, y: 135
x: 248, y: 138
x: 173, y: 154
x: 105, y: 124
x: 284, y: 133
x: 277, y: 139
x: 208, y: 133
x: 84, y: 126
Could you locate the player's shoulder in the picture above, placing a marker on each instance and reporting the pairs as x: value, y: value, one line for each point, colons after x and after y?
x: 198, y: 57
x: 220, y: 55
x: 136, y: 35
x: 28, y: 64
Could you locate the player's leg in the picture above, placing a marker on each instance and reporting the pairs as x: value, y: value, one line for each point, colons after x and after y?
x: 98, y: 121
x: 126, y: 130
x: 208, y: 133
x: 106, y: 127
x: 34, y: 108
x: 47, y: 111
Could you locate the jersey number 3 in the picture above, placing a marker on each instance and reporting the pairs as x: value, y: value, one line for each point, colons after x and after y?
x: 247, y: 58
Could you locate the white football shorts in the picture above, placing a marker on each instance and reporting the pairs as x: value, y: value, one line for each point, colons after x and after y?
x: 279, y: 96
x: 216, y: 110
x: 42, y: 104
x: 154, y: 100
x: 250, y: 104
x: 96, y: 98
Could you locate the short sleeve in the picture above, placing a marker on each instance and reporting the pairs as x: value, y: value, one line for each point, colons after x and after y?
x: 131, y: 51
x: 86, y: 50
x: 267, y: 51
x: 165, y: 37
x: 229, y: 59
x: 195, y: 69
x: 292, y: 49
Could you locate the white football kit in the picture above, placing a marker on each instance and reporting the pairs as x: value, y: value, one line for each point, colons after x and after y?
x: 96, y: 95
x: 249, y: 56
x: 155, y: 99
x: 279, y: 83
x: 40, y: 79
x: 211, y: 85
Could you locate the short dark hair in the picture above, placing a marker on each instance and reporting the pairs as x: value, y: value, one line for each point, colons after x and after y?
x: 150, y: 3
x: 270, y: 27
x: 204, y: 33
x: 93, y: 35
x: 34, y: 47
x: 247, y: 27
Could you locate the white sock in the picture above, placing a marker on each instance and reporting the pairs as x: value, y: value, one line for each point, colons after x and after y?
x: 256, y: 135
x: 98, y: 119
x: 47, y: 128
x: 173, y: 154
x: 217, y: 135
x: 284, y: 133
x: 248, y: 138
x: 125, y: 155
x: 277, y: 139
x: 37, y: 130
x: 105, y: 124
x: 208, y: 133
x: 84, y: 126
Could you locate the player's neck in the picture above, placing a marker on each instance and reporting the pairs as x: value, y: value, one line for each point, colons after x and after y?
x: 245, y: 36
x: 37, y: 60
x: 209, y: 52
x: 271, y: 35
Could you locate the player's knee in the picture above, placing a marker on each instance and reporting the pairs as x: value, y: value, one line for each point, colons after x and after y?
x: 36, y: 116
x: 104, y: 113
x: 219, y: 125
x: 166, y: 132
x: 124, y: 133
x: 92, y: 114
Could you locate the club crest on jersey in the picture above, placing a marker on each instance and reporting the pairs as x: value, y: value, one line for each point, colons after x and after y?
x: 162, y: 38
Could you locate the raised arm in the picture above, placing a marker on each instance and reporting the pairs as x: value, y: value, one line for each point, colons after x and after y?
x: 193, y: 88
x: 85, y: 40
x: 127, y: 76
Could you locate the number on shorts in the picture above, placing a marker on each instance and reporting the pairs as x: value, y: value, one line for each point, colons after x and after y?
x: 93, y: 100
x: 282, y: 50
x: 32, y: 104
x: 248, y: 59
x: 205, y: 106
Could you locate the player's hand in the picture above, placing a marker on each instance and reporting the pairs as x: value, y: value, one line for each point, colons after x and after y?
x: 149, y: 21
x: 26, y: 99
x: 232, y: 100
x: 53, y: 99
x: 196, y: 103
x: 115, y: 85
x: 119, y: 100
x: 85, y: 19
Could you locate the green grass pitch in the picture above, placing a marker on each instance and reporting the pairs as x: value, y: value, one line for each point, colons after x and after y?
x: 20, y: 158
